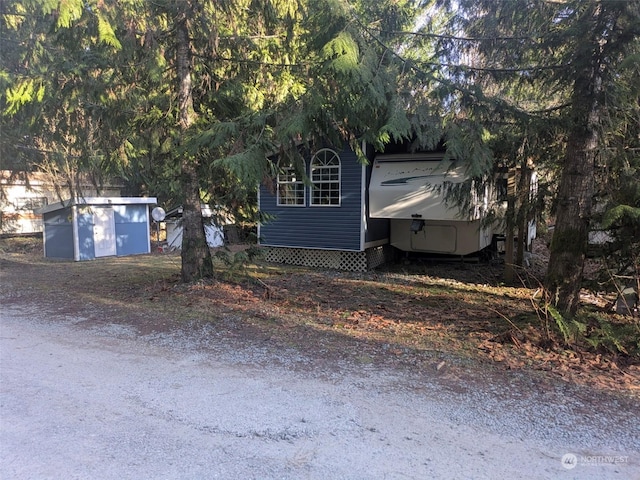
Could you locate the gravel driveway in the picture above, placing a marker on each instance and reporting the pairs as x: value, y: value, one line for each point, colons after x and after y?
x: 108, y: 403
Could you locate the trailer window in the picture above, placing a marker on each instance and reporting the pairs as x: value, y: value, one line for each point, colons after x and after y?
x: 30, y: 203
x: 325, y: 178
x: 291, y: 189
x: 501, y: 190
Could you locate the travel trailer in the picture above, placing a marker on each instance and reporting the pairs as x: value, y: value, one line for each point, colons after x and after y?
x: 213, y: 231
x: 410, y: 191
x: 23, y: 193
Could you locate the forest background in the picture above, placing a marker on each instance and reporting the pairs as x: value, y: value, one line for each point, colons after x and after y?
x: 185, y: 100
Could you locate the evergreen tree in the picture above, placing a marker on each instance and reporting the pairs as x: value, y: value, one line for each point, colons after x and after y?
x: 173, y: 93
x: 266, y: 77
x: 54, y: 86
x: 553, y: 71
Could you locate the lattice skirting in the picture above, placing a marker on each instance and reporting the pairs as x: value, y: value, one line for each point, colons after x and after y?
x: 336, y: 259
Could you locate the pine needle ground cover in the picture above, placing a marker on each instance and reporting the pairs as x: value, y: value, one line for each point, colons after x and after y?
x: 427, y: 316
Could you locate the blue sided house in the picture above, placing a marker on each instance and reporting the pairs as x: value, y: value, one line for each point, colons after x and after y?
x: 324, y: 222
x: 92, y: 227
x: 352, y: 216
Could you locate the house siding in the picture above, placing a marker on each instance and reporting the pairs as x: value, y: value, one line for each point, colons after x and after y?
x: 333, y: 228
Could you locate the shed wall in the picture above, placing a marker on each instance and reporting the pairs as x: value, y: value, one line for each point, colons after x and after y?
x: 58, y: 234
x: 130, y: 221
x: 86, y: 245
x: 132, y: 229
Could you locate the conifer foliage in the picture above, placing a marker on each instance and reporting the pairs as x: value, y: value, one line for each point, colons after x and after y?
x: 556, y: 84
x: 187, y: 99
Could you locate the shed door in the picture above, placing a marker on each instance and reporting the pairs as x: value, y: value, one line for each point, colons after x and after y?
x: 104, y: 232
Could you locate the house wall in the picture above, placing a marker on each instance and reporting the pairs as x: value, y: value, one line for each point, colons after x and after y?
x: 21, y: 194
x: 331, y: 227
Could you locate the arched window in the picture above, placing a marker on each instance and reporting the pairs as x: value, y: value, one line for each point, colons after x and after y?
x: 325, y: 178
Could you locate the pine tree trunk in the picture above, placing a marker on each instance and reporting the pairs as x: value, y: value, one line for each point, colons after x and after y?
x: 524, y: 188
x: 570, y: 238
x: 196, y: 256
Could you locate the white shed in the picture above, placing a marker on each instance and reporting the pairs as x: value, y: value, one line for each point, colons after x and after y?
x: 173, y: 221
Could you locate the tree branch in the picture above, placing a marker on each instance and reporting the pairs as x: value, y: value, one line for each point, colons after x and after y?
x: 451, y: 37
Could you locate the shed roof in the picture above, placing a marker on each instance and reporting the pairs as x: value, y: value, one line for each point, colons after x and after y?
x: 97, y: 201
x: 176, y: 212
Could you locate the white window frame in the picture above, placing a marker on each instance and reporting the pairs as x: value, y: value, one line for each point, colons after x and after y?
x: 30, y: 203
x: 288, y: 181
x: 323, y: 174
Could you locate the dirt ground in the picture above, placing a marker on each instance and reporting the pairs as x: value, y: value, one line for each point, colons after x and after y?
x: 455, y: 317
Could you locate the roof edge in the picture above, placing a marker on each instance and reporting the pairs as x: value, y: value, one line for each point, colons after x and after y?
x: 97, y: 201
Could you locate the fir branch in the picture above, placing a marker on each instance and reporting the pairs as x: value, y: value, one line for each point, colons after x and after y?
x: 255, y: 62
x: 550, y: 109
x: 469, y: 68
x: 440, y: 36
x: 471, y: 93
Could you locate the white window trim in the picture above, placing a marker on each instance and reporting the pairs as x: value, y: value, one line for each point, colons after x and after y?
x: 280, y: 183
x: 339, y: 181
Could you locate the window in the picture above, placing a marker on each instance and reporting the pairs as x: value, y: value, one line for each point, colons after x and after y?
x: 502, y: 189
x: 325, y: 178
x: 30, y: 203
x: 291, y: 189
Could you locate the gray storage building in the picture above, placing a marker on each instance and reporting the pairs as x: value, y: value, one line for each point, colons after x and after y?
x: 92, y: 227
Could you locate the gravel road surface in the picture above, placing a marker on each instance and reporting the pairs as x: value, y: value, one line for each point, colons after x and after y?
x: 104, y: 402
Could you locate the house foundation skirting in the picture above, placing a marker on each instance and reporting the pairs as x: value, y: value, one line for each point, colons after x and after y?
x: 336, y: 259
